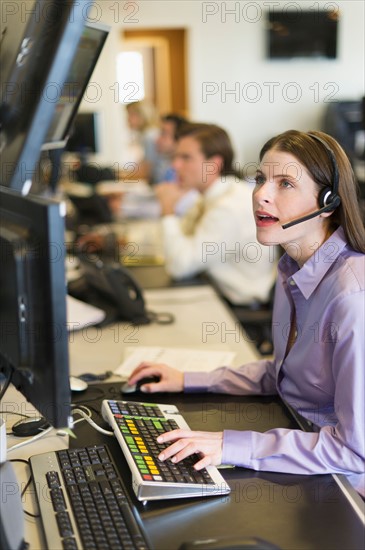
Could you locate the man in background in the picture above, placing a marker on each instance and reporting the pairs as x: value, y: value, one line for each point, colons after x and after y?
x: 159, y: 155
x: 218, y: 234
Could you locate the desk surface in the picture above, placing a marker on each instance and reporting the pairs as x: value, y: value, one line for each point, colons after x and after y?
x: 202, y: 321
x: 301, y: 512
x: 293, y: 512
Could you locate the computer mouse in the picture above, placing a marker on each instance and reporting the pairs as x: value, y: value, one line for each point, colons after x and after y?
x: 27, y: 427
x: 136, y: 387
x: 76, y: 384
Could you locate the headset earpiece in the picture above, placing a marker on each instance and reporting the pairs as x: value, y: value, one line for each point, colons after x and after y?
x: 328, y: 199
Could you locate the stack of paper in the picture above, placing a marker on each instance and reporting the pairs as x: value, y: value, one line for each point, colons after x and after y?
x: 186, y: 360
x: 80, y: 314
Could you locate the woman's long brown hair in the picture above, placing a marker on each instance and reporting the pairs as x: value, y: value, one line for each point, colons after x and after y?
x: 313, y: 155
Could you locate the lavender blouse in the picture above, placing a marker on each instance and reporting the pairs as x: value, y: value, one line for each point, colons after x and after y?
x: 322, y: 376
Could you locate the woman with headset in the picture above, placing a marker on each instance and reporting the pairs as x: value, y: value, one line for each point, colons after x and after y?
x: 305, y: 200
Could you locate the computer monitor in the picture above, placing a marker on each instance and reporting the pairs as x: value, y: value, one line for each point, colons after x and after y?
x: 37, y: 48
x: 87, y: 54
x: 33, y: 323
x: 343, y: 121
x: 84, y: 134
x: 302, y: 33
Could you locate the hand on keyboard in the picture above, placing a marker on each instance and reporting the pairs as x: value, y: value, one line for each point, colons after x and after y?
x: 187, y: 442
x: 138, y: 426
x: 170, y: 379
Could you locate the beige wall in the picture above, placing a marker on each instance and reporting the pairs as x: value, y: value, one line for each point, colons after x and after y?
x: 227, y: 52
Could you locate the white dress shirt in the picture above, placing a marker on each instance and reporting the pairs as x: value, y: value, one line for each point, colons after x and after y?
x: 218, y: 236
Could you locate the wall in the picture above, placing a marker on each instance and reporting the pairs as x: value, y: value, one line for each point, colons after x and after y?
x: 226, y: 51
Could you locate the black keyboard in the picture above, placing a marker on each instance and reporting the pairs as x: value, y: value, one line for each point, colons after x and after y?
x: 137, y: 426
x: 83, y: 502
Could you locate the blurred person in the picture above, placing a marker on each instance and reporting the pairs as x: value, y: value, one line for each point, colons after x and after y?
x: 143, y: 130
x: 218, y: 234
x: 163, y: 171
x: 151, y: 146
x: 161, y: 156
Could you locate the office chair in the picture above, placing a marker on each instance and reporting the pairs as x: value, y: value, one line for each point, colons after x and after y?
x: 256, y: 320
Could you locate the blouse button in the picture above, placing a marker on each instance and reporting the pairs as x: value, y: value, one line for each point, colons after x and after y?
x: 292, y: 282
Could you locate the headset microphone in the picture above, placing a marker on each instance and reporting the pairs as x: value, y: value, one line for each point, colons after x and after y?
x: 327, y: 208
x: 328, y: 198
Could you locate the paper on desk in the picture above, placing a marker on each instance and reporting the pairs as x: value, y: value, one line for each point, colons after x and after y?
x: 80, y: 314
x: 186, y: 360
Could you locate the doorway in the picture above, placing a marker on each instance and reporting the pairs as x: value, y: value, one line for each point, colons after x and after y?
x: 165, y: 68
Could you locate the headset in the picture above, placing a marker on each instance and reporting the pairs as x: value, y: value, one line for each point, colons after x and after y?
x: 328, y: 198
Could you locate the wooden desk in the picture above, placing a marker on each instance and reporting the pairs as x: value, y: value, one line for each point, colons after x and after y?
x: 301, y: 512
x: 202, y: 320
x: 293, y: 512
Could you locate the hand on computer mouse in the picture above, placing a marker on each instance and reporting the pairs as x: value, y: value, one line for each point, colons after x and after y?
x: 169, y: 379
x: 127, y: 388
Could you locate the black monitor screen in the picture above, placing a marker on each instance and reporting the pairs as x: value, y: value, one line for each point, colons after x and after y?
x: 33, y: 325
x: 35, y: 57
x: 87, y: 54
x: 84, y: 134
x: 307, y: 34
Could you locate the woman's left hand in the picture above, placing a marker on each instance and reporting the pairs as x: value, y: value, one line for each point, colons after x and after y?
x: 187, y: 442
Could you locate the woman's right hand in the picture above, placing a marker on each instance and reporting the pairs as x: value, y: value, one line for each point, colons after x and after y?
x: 170, y: 379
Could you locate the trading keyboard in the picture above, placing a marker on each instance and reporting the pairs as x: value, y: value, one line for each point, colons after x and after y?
x: 137, y: 426
x: 83, y: 503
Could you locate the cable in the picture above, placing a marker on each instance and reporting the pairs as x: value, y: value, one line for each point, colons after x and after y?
x: 26, y: 485
x: 88, y: 419
x: 100, y: 392
x: 20, y: 460
x: 91, y: 422
x: 89, y: 409
x: 161, y: 318
x: 4, y: 411
x: 22, y: 494
x: 84, y: 416
x: 31, y: 440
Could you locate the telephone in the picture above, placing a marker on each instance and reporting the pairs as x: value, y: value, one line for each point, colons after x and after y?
x: 91, y: 209
x: 110, y: 286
